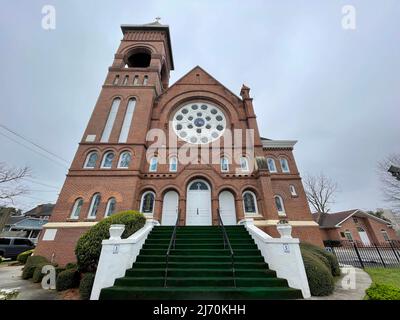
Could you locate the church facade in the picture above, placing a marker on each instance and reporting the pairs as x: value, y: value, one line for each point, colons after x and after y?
x: 191, y: 149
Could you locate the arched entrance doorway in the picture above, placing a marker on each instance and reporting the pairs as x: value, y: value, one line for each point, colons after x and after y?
x: 198, y: 204
x: 170, y: 208
x: 227, y: 208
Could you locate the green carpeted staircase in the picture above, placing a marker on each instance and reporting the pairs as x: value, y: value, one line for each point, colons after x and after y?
x: 200, y: 268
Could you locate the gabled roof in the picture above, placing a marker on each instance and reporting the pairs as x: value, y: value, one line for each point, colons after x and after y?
x: 207, y: 79
x: 41, y: 210
x: 30, y: 224
x: 334, y: 220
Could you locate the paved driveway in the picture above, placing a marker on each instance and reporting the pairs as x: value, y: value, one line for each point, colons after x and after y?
x: 10, y: 278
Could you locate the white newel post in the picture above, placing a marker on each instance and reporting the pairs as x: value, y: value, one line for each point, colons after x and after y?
x: 118, y: 254
x: 282, y: 254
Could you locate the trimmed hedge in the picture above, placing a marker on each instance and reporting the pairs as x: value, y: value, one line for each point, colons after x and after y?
x: 383, y: 292
x: 23, y: 256
x: 37, y: 273
x: 85, y: 287
x: 71, y: 265
x: 320, y: 279
x: 333, y: 263
x: 88, y: 248
x: 67, y: 279
x: 31, y: 263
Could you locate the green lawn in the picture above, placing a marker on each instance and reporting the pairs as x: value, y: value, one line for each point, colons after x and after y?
x: 389, y: 276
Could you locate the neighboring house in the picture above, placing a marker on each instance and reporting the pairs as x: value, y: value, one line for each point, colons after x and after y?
x: 5, y: 214
x: 394, y: 218
x: 29, y: 224
x: 355, y: 225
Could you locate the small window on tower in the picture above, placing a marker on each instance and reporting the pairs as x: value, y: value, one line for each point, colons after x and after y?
x: 136, y: 80
x: 116, y: 80
x: 126, y: 80
x: 145, y: 80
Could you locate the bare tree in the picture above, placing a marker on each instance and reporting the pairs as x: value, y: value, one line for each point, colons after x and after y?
x: 320, y: 192
x: 11, y: 184
x: 390, y: 185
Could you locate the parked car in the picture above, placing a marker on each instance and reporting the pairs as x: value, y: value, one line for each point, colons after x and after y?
x: 12, y: 247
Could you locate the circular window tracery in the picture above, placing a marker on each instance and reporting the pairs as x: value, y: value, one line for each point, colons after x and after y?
x: 199, y: 123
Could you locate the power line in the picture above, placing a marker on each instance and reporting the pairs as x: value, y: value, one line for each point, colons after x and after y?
x: 41, y: 183
x: 19, y: 143
x: 35, y: 144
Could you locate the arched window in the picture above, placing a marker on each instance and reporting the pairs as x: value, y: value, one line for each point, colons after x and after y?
x: 136, y: 80
x: 116, y: 80
x: 279, y: 205
x: 145, y: 80
x: 284, y: 165
x: 173, y: 164
x: 107, y: 160
x: 147, y: 203
x: 91, y: 160
x: 94, y: 206
x: 124, y: 159
x: 198, y: 185
x: 110, y: 208
x: 244, y: 164
x: 249, y: 203
x: 125, y: 81
x: 224, y: 164
x: 110, y: 120
x: 76, y: 210
x: 385, y: 235
x: 271, y: 165
x: 153, y: 164
x: 292, y: 190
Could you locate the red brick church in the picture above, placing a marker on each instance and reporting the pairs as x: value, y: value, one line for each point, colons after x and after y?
x: 119, y: 165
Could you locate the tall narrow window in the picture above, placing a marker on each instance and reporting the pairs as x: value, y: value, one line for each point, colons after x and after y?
x: 136, y: 80
x: 224, y: 164
x: 292, y: 190
x: 271, y: 165
x: 76, y: 210
x: 348, y: 235
x: 173, y: 164
x: 244, y: 164
x: 116, y: 80
x: 107, y: 160
x: 110, y: 208
x: 279, y: 205
x: 94, y: 206
x: 147, y: 203
x: 123, y: 136
x: 91, y: 160
x: 153, y: 164
x: 385, y: 235
x: 124, y: 159
x: 284, y: 165
x: 125, y: 80
x: 249, y: 203
x: 110, y: 120
x: 145, y: 80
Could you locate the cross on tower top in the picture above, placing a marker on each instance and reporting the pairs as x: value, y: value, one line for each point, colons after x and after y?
x: 158, y: 19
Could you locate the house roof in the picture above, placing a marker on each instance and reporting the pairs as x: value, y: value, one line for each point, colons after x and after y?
x: 41, y: 210
x: 334, y: 220
x: 30, y: 224
x: 12, y: 220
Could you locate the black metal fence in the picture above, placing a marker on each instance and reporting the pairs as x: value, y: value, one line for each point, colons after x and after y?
x: 358, y: 254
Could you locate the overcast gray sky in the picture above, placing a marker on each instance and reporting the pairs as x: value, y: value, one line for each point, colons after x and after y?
x: 336, y: 91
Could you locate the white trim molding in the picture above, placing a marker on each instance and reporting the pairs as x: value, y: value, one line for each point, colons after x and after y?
x: 282, y: 255
x: 117, y: 255
x: 278, y: 144
x: 299, y: 223
x: 77, y: 224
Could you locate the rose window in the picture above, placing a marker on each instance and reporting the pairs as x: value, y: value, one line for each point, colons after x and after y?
x: 199, y: 122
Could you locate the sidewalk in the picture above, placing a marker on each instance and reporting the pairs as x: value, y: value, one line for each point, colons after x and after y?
x: 363, y: 281
x: 10, y: 278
